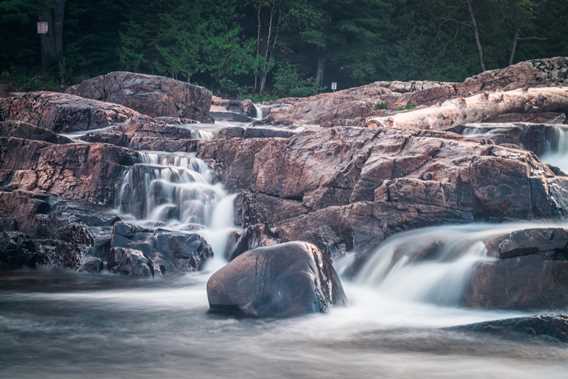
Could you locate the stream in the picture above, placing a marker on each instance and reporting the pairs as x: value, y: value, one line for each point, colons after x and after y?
x: 70, y: 325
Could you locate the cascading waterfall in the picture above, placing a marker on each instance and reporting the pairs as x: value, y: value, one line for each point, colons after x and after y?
x: 557, y: 154
x: 176, y: 191
x: 258, y: 110
x: 431, y: 265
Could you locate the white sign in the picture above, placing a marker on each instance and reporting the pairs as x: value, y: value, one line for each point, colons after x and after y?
x: 334, y: 86
x: 42, y: 27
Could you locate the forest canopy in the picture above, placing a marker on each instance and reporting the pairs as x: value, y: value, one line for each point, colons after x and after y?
x: 274, y: 47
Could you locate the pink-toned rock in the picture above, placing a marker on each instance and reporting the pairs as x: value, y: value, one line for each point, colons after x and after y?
x: 61, y: 112
x: 149, y: 94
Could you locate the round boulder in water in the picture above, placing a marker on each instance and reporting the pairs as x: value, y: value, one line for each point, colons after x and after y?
x: 284, y: 280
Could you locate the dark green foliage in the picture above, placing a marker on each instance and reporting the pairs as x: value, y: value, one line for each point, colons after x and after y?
x: 312, y: 42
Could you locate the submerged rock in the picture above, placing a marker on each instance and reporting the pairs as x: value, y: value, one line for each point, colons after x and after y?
x: 544, y: 328
x: 284, y: 280
x: 130, y: 262
x: 149, y: 94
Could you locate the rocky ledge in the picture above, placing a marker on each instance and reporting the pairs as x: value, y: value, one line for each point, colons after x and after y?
x: 349, y: 188
x: 148, y: 94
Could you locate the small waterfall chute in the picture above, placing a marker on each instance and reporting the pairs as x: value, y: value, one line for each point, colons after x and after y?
x: 557, y: 154
x: 176, y: 191
x: 431, y: 265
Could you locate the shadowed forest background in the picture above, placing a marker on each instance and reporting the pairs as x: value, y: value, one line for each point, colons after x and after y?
x: 274, y: 48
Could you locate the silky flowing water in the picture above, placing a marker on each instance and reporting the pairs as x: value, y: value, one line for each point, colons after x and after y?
x: 71, y: 325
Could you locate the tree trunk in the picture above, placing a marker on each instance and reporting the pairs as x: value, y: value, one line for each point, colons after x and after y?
x: 265, y: 67
x: 47, y: 46
x: 478, y: 108
x: 59, y: 14
x: 258, y: 33
x: 320, y: 72
x: 514, y: 48
x: 476, y: 33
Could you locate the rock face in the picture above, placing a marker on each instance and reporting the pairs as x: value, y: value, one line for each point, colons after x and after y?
x: 285, y: 280
x: 353, y: 106
x: 529, y: 271
x: 72, y: 171
x: 545, y: 328
x: 41, y: 230
x: 349, y: 188
x: 148, y: 94
x: 61, y: 112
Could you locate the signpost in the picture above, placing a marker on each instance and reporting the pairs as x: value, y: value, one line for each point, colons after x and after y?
x: 42, y: 27
x: 334, y: 86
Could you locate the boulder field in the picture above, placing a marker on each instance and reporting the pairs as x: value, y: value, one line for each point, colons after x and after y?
x: 307, y: 194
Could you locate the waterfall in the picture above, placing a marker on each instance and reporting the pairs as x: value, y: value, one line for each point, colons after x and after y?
x: 431, y: 265
x: 177, y: 191
x: 557, y: 154
x: 258, y: 112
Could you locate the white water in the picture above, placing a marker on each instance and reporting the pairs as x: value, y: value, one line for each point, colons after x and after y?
x: 258, y: 110
x: 431, y: 265
x: 177, y: 191
x: 557, y: 155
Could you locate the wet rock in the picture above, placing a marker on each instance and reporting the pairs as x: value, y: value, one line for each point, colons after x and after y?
x: 23, y: 130
x: 349, y: 188
x: 61, y: 112
x: 284, y: 280
x: 529, y: 270
x: 130, y: 262
x: 19, y: 250
x: 73, y: 171
x: 92, y: 265
x: 171, y: 251
x: 251, y: 237
x: 148, y: 136
x: 544, y: 328
x: 149, y: 94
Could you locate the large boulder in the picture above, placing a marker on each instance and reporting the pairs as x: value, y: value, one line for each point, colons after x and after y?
x: 62, y: 112
x: 529, y: 270
x: 73, y: 171
x: 149, y: 94
x: 284, y: 280
x: 349, y: 188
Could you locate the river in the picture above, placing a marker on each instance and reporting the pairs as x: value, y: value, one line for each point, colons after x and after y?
x: 78, y: 325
